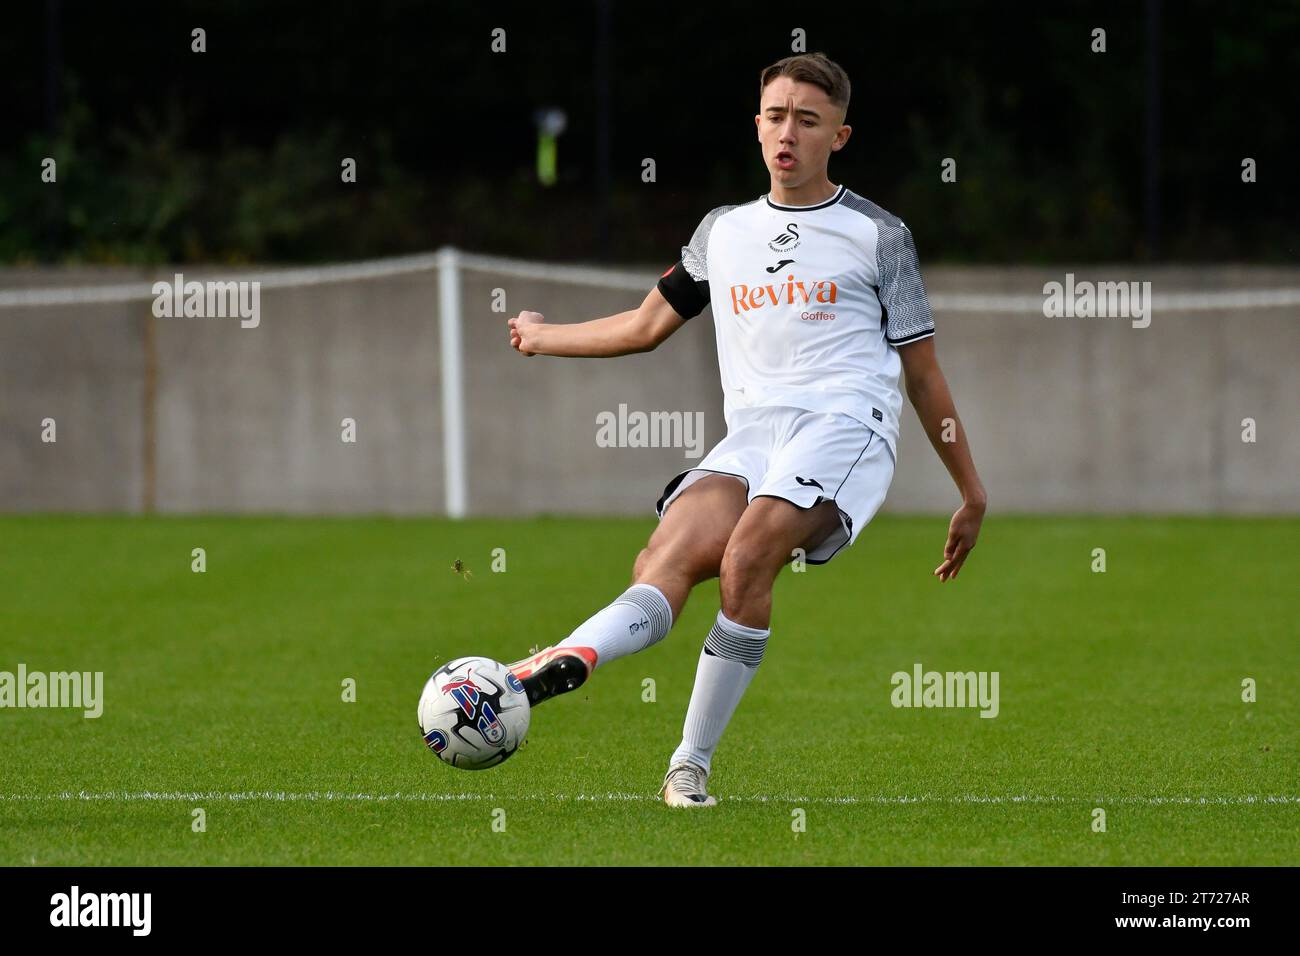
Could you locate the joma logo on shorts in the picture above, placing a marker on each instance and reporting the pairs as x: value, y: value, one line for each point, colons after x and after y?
x: 746, y: 298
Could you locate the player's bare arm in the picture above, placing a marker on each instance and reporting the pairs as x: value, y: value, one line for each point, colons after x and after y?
x: 637, y: 330
x: 927, y: 389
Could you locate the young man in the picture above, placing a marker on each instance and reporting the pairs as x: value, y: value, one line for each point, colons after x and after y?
x: 817, y: 305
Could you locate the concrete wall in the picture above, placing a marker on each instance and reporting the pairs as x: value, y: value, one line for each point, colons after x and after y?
x: 250, y: 419
x: 1066, y: 415
x: 84, y: 368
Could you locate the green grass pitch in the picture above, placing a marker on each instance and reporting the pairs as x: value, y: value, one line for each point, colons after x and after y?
x: 223, y: 691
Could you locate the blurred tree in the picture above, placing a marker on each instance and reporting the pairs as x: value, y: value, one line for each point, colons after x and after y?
x: 234, y: 154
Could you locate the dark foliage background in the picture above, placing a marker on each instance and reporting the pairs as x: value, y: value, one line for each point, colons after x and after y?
x: 233, y: 155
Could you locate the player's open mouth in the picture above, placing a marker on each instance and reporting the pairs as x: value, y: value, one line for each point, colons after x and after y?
x: 785, y: 159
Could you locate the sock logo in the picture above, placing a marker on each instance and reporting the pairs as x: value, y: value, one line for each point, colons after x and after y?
x: 636, y: 626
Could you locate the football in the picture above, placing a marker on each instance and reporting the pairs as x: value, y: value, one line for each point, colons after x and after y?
x: 473, y: 713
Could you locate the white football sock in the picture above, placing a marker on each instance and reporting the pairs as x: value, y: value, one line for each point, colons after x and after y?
x: 637, y: 618
x: 729, y: 661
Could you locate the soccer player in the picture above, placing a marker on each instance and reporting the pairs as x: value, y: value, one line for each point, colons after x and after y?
x: 817, y: 305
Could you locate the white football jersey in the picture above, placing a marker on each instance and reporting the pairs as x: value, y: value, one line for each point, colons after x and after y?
x: 810, y: 304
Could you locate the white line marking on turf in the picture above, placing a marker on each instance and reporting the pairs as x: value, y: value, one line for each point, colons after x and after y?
x: 327, y: 796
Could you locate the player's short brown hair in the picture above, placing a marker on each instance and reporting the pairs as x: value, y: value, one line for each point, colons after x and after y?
x: 815, y: 68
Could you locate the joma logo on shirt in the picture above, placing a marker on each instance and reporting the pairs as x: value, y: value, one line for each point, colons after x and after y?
x: 746, y: 298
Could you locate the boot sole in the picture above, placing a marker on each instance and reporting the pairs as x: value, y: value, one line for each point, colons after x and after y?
x: 564, y: 674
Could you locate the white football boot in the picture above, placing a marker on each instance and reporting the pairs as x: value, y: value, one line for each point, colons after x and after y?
x: 684, y: 787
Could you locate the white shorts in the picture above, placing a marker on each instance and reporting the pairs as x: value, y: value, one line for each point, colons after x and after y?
x: 805, y: 458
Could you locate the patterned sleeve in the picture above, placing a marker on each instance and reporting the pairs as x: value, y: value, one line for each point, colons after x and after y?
x: 686, y: 284
x: 906, y: 310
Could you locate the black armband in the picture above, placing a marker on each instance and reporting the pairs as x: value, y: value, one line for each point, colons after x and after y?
x: 688, y: 296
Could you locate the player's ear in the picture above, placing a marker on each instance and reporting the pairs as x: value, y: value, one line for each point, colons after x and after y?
x: 841, y: 137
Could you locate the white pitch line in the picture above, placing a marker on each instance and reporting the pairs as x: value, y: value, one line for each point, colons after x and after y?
x: 327, y: 796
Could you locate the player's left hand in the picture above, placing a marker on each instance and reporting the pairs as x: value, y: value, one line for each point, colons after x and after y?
x: 963, y: 530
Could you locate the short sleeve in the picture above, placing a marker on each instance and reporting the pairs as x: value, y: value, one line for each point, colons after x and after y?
x: 686, y: 284
x: 905, y: 310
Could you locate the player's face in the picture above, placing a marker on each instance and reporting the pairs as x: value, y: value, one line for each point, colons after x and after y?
x: 798, y: 128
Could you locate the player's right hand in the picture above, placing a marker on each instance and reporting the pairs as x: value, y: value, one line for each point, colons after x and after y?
x: 523, y: 331
x: 963, y: 531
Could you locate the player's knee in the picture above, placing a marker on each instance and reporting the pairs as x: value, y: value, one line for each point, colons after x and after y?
x: 690, y: 565
x: 650, y: 564
x: 745, y: 567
